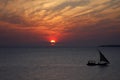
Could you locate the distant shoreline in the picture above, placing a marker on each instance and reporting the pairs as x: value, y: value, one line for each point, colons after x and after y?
x: 109, y: 46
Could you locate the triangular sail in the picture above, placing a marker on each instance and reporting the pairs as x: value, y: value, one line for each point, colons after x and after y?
x: 102, y: 57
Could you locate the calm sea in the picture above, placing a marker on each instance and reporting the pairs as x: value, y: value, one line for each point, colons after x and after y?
x: 57, y: 64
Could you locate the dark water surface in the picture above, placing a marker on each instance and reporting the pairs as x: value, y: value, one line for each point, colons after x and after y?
x: 57, y: 64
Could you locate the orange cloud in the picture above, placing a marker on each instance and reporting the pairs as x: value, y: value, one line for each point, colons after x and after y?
x: 59, y: 18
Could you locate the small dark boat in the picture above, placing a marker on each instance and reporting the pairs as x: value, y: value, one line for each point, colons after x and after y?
x: 92, y: 62
x: 103, y: 60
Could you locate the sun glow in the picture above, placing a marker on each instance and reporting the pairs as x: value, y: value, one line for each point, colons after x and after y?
x: 52, y: 42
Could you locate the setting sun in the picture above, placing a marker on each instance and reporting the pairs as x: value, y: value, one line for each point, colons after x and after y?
x: 52, y: 42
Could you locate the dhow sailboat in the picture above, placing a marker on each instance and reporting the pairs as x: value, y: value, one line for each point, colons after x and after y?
x: 102, y: 61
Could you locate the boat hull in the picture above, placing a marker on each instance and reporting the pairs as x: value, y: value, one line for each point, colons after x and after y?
x: 99, y: 64
x: 91, y: 64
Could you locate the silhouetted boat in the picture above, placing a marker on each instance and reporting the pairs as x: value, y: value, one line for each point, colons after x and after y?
x: 102, y: 61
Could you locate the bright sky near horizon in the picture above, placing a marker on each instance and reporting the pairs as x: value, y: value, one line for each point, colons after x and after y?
x: 70, y: 22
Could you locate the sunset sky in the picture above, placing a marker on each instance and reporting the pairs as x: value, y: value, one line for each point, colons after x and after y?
x: 68, y: 22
